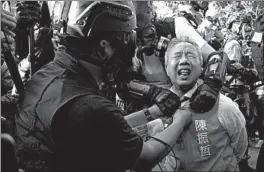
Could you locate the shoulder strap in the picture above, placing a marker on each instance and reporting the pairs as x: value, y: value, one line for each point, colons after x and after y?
x: 65, y: 11
x: 61, y: 22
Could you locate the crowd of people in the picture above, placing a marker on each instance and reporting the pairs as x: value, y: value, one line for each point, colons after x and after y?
x: 110, y: 86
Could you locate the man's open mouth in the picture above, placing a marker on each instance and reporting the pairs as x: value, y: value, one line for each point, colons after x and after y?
x: 184, y: 72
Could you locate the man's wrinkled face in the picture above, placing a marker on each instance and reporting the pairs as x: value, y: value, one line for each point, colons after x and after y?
x: 184, y: 65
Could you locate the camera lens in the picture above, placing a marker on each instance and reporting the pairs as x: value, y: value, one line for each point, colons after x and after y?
x: 160, y: 44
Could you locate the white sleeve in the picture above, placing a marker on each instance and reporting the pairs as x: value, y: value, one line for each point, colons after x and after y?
x: 232, y: 119
x: 233, y: 50
x: 184, y: 29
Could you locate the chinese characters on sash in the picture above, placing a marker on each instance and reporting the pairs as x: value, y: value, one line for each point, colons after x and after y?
x: 202, y: 137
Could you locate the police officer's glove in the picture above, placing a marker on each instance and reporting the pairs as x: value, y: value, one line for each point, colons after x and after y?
x: 167, y: 101
x: 205, y: 96
x: 251, y: 75
x: 28, y: 13
x: 236, y: 68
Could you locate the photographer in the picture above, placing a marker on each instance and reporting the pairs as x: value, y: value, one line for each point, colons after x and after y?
x: 209, y: 29
x: 65, y: 121
x: 242, y: 73
x: 148, y: 62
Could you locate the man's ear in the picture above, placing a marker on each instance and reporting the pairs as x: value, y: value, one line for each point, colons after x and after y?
x: 104, y: 43
x: 166, y: 67
x: 201, y: 71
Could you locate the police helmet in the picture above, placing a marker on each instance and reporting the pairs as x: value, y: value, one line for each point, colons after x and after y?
x: 77, y: 24
x: 84, y: 18
x: 76, y: 21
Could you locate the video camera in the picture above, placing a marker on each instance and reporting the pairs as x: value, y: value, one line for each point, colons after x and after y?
x: 160, y: 45
x: 155, y: 36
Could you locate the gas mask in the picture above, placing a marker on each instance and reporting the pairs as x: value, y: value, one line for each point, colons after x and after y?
x: 150, y: 43
x: 246, y: 31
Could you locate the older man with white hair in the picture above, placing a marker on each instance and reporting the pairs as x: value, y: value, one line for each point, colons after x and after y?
x: 215, y: 140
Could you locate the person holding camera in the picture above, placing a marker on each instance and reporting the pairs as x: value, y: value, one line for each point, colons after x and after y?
x: 149, y: 57
x: 242, y: 73
x: 148, y: 62
x: 209, y: 29
x: 66, y: 123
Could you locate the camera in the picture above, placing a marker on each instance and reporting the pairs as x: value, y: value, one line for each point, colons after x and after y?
x: 160, y: 45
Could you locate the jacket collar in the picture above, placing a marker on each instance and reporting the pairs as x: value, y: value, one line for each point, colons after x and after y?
x: 188, y: 94
x: 65, y: 60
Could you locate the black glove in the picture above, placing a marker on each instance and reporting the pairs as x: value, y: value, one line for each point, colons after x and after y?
x: 28, y: 13
x: 205, y: 96
x: 236, y: 68
x: 167, y: 101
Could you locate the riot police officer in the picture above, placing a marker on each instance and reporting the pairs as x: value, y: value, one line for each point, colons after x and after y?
x: 66, y: 123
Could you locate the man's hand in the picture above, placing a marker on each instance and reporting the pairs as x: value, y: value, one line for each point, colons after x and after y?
x: 28, y: 13
x: 183, y: 115
x: 205, y: 96
x: 167, y: 101
x: 8, y: 20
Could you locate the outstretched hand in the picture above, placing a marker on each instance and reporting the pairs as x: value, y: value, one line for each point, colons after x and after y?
x: 183, y: 115
x: 167, y: 101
